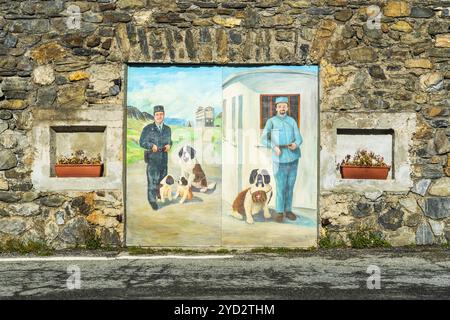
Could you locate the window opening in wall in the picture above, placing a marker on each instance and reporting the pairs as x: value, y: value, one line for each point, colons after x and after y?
x: 70, y: 141
x: 378, y: 141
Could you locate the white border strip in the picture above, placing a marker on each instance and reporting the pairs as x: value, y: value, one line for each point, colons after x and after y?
x: 123, y: 257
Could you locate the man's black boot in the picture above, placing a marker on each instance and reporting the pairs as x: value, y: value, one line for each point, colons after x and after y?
x: 154, y: 205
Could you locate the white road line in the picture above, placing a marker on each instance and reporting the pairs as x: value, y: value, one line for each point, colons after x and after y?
x: 123, y: 257
x: 205, y: 257
x: 54, y: 259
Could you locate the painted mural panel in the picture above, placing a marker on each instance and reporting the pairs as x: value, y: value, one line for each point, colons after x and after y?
x: 222, y: 156
x: 173, y: 156
x: 270, y: 156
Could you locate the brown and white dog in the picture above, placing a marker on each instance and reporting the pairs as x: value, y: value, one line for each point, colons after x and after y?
x: 183, y: 190
x: 254, y: 199
x: 165, y: 188
x: 192, y: 170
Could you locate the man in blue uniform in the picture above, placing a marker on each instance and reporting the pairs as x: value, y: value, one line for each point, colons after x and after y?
x: 156, y: 139
x: 281, y: 134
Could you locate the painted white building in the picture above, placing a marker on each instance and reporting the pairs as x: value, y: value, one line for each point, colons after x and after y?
x: 241, y: 119
x: 204, y: 117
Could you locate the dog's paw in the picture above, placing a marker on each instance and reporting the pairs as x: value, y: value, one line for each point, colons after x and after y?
x: 203, y: 190
x: 181, y: 201
x: 211, y: 186
x: 250, y: 221
x: 236, y: 215
x: 267, y: 216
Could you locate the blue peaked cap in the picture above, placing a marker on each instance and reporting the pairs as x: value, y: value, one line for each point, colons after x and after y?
x: 281, y: 100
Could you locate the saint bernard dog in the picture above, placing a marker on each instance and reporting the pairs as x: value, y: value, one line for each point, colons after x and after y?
x: 192, y: 170
x: 255, y: 198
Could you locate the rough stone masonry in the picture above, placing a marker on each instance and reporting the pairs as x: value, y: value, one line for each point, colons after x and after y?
x: 399, y: 68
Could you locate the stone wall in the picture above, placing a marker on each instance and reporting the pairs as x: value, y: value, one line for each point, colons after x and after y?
x: 56, y: 60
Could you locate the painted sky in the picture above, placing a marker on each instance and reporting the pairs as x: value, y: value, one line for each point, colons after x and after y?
x: 182, y: 89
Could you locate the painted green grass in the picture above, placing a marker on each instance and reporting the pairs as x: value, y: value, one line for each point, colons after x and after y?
x: 134, y: 151
x: 216, y: 139
x: 180, y: 135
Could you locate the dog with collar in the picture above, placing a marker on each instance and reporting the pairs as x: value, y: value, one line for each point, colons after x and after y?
x: 252, y: 200
x: 165, y: 188
x: 192, y: 170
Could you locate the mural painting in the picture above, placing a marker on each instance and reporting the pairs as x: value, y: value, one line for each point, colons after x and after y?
x: 173, y: 156
x: 270, y: 156
x: 222, y: 156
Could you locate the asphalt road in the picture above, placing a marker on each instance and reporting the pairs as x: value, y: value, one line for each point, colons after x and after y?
x: 337, y: 274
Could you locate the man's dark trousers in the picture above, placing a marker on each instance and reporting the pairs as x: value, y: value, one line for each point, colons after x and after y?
x: 155, y: 173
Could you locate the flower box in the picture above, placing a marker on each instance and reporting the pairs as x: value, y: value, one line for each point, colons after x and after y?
x: 358, y: 172
x: 78, y: 170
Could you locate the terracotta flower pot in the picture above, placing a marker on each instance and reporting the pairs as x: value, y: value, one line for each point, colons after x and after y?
x: 355, y: 172
x: 78, y: 170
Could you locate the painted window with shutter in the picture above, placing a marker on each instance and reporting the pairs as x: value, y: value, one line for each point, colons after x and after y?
x: 267, y: 107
